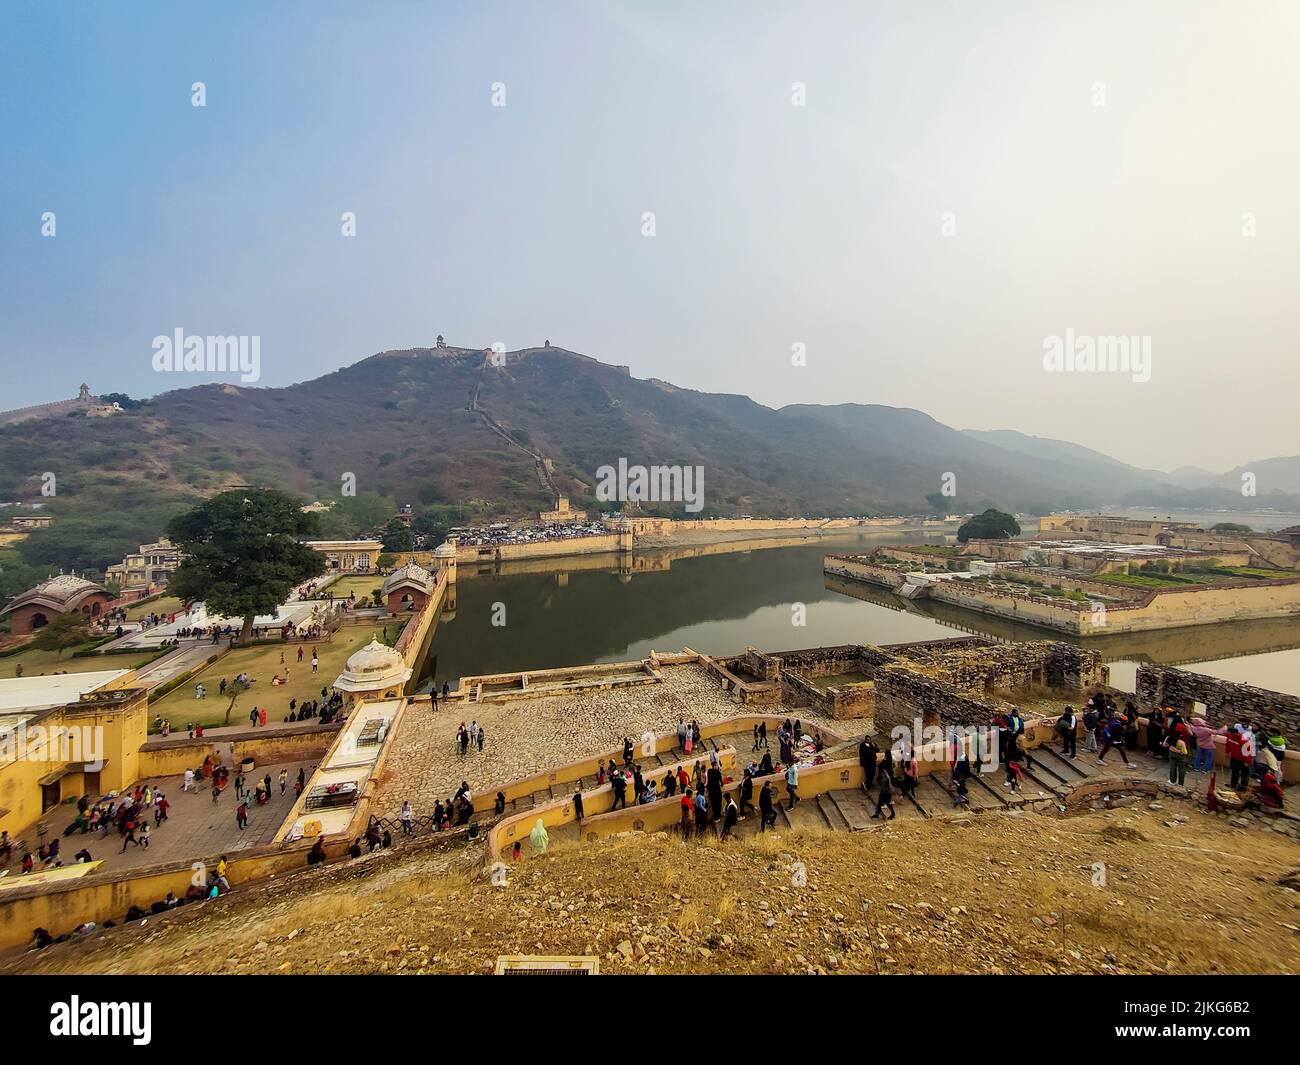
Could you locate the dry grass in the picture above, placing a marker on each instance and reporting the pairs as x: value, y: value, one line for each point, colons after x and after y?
x: 1005, y: 894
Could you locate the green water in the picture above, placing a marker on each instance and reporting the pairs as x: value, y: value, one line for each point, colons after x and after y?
x: 720, y: 603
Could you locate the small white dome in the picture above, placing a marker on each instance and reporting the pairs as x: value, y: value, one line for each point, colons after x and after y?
x: 375, y: 657
x: 373, y: 668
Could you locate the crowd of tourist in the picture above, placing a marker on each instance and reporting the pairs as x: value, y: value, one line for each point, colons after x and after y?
x: 502, y: 536
x: 205, y: 884
x: 128, y: 814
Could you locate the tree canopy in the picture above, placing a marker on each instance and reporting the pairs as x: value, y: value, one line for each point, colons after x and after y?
x: 242, y: 552
x: 63, y: 631
x: 397, y: 536
x: 992, y: 524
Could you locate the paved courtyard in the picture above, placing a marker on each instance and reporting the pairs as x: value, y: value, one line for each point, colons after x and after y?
x: 528, y: 735
x: 195, y: 826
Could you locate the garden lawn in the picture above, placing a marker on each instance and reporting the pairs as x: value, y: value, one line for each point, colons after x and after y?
x: 362, y: 584
x: 261, y: 663
x: 164, y: 604
x: 36, y: 662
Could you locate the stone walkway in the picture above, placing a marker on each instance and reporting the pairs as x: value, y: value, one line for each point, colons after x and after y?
x: 195, y: 828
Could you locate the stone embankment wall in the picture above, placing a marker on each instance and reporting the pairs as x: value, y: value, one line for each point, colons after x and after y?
x: 469, y: 554
x: 411, y: 641
x: 1224, y: 701
x: 650, y: 526
x: 1163, y: 608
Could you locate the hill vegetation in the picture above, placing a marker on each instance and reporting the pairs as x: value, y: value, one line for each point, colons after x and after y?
x: 462, y: 439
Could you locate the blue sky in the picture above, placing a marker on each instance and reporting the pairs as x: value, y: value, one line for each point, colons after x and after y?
x: 776, y: 224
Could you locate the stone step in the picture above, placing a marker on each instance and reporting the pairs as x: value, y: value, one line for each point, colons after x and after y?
x: 854, y: 806
x: 989, y: 785
x: 1070, y: 770
x: 831, y: 813
x: 806, y: 814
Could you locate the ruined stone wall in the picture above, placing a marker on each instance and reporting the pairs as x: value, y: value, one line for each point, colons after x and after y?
x: 757, y: 664
x: 829, y: 661
x: 853, y: 701
x: 1225, y: 701
x: 902, y: 697
x: 934, y: 650
x: 1018, y: 665
x: 795, y: 691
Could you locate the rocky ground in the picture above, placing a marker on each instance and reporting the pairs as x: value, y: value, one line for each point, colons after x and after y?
x: 528, y: 735
x: 1143, y: 889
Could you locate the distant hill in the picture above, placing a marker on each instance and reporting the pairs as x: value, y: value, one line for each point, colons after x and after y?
x: 445, y: 428
x: 1271, y: 475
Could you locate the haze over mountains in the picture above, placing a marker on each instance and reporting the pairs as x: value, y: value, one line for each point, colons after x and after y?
x: 447, y: 427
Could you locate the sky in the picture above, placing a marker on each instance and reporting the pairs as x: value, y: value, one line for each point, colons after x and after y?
x: 897, y: 203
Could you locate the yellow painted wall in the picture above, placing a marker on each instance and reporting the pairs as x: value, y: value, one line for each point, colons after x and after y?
x: 122, y: 728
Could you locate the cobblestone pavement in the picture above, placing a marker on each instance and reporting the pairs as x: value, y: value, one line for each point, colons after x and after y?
x: 196, y: 827
x: 528, y: 735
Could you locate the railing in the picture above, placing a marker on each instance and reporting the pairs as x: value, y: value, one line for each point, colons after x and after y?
x: 423, y: 826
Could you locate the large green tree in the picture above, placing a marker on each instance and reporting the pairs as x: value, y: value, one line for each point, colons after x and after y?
x: 397, y: 536
x: 993, y: 524
x: 243, y: 553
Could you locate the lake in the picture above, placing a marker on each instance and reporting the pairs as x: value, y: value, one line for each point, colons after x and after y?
x: 564, y: 612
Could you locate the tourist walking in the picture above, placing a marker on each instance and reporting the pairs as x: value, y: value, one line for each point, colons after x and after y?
x: 1156, y: 733
x: 730, y: 818
x: 1067, y: 726
x: 1113, y: 736
x: 867, y: 753
x: 766, y: 808
x: 701, y: 814
x: 1177, y: 759
x: 405, y: 818
x: 1239, y: 758
x: 911, y: 774
x: 1090, y: 722
x: 715, y: 792
x: 792, y: 784
x: 241, y: 815
x: 886, y: 798
x: 1204, y: 744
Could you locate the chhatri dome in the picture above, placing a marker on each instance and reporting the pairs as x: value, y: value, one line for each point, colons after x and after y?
x: 374, y: 668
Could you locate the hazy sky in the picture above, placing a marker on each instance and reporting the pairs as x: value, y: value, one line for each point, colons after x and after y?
x: 1100, y: 163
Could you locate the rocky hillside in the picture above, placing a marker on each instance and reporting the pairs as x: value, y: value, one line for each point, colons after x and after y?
x: 996, y: 894
x: 444, y: 427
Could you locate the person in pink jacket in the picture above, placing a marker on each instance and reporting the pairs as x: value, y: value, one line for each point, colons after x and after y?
x: 1204, y: 744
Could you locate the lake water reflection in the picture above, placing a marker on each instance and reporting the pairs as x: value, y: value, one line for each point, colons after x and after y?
x: 563, y: 612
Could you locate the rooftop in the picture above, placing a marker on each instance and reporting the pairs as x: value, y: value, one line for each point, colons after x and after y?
x: 19, y: 695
